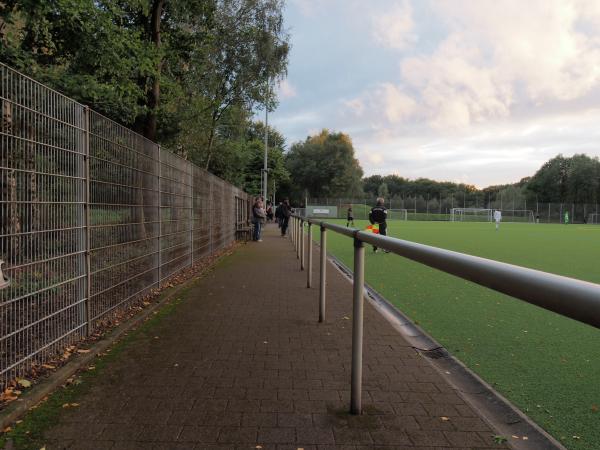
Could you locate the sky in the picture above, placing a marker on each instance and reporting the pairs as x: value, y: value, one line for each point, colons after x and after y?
x: 475, y: 91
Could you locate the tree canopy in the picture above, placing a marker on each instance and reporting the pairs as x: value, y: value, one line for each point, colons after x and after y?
x: 185, y: 73
x: 324, y: 165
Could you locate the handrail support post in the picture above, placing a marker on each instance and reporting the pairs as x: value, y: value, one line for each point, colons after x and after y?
x: 357, y: 327
x: 309, y: 256
x: 323, y: 280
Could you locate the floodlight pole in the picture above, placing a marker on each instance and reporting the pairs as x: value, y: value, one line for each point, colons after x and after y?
x: 266, y: 168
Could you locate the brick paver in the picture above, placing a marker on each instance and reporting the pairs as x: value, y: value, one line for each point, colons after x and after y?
x: 243, y: 363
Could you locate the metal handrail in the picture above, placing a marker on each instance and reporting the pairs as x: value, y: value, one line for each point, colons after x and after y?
x: 576, y: 299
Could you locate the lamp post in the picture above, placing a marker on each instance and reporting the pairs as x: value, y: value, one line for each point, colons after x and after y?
x: 265, y: 165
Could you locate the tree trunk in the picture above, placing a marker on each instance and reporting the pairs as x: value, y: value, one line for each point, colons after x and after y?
x: 211, y: 139
x: 154, y: 94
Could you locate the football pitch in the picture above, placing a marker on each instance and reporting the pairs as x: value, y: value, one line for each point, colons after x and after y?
x: 548, y: 365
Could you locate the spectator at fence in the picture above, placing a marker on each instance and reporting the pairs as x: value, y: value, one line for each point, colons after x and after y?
x: 378, y: 215
x: 286, y: 212
x: 258, y: 219
x: 350, y: 217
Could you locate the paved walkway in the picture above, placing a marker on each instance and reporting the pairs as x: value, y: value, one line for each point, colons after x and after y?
x: 243, y: 363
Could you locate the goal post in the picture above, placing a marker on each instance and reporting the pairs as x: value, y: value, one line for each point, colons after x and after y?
x: 471, y: 214
x: 594, y: 218
x: 397, y: 214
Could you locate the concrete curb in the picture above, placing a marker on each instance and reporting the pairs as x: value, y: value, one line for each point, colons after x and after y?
x: 494, y: 408
x: 14, y: 411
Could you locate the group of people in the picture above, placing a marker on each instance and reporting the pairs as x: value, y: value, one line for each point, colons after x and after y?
x: 262, y: 214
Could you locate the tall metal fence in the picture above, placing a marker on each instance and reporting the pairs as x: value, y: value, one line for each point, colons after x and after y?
x: 92, y: 217
x: 439, y: 208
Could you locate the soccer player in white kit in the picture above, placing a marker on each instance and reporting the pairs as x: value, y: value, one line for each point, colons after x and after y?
x: 497, y: 218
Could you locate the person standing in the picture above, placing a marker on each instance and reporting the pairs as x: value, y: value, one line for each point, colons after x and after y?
x: 378, y: 215
x: 497, y: 218
x: 279, y: 214
x: 286, y: 212
x: 258, y: 219
x: 350, y: 217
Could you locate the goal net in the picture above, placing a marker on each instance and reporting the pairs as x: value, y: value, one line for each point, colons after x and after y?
x: 594, y: 218
x: 518, y: 215
x: 397, y: 214
x: 471, y: 215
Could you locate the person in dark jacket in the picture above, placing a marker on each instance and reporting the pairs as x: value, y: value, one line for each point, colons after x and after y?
x: 378, y: 215
x: 279, y: 214
x: 286, y: 212
x: 350, y: 217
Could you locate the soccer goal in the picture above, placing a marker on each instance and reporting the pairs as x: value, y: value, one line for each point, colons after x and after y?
x: 594, y: 218
x: 397, y: 214
x: 471, y: 215
x: 518, y: 215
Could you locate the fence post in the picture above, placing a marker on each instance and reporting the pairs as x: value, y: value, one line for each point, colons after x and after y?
x: 323, y: 280
x: 309, y: 257
x: 357, y: 327
x: 87, y: 222
x: 191, y: 168
x: 160, y: 221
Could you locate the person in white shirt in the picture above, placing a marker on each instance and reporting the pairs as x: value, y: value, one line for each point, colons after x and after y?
x: 497, y: 218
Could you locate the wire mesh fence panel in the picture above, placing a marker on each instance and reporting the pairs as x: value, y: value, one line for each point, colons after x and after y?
x: 202, y: 212
x: 175, y: 210
x: 124, y: 222
x: 42, y: 192
x: 92, y: 217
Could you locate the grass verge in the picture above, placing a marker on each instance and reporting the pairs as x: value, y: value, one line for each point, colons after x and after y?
x: 28, y: 433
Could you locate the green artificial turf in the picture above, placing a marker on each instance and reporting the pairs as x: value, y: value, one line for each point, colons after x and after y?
x: 548, y: 365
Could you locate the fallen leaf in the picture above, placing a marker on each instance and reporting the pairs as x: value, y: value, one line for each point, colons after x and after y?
x: 445, y: 419
x: 346, y: 318
x: 24, y: 383
x: 525, y: 438
x: 48, y: 366
x: 515, y: 437
x: 83, y: 350
x: 595, y: 408
x: 576, y: 437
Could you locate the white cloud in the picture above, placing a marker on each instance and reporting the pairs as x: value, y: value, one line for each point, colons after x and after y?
x: 286, y: 90
x: 385, y: 103
x: 394, y: 28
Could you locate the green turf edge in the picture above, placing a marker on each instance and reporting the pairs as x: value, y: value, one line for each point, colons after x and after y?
x: 29, y: 434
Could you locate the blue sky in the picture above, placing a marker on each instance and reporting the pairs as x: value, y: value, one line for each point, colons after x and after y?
x: 476, y: 91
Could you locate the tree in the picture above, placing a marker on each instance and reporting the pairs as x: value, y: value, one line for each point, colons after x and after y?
x: 325, y: 166
x: 145, y: 63
x: 383, y: 191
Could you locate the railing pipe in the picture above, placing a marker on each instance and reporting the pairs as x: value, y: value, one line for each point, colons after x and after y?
x: 357, y: 327
x: 579, y: 300
x: 323, y: 277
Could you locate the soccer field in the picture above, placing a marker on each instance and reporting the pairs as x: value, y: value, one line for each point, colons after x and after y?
x: 548, y: 365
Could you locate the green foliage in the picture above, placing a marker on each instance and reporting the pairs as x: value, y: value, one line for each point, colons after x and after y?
x: 567, y: 180
x: 187, y: 73
x: 324, y: 166
x: 398, y: 186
